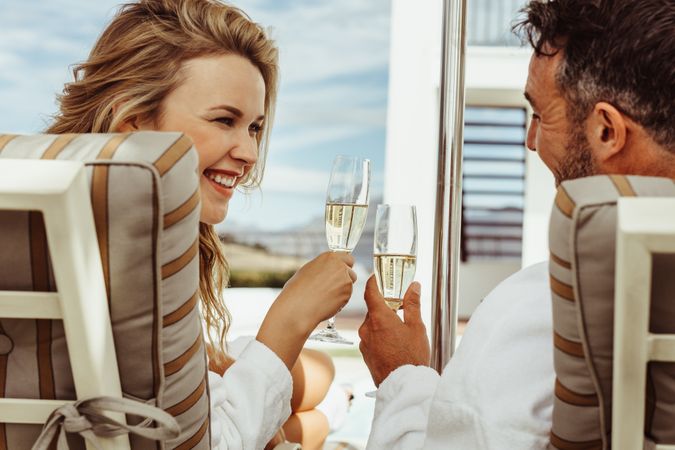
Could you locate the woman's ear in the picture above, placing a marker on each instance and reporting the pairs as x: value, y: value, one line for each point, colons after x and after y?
x: 133, y: 123
x: 607, y: 129
x: 127, y: 126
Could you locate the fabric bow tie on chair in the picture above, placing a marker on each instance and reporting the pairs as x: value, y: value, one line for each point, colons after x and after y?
x: 88, y: 419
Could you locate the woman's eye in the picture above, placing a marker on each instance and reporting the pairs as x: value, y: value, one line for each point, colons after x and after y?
x: 255, y: 128
x: 225, y: 121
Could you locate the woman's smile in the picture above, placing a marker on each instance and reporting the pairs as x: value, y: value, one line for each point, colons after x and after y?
x: 224, y: 182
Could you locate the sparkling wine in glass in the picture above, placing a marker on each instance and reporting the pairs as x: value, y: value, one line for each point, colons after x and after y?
x: 346, y: 211
x: 395, y: 251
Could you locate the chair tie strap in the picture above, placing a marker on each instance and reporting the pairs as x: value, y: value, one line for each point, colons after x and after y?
x: 88, y: 419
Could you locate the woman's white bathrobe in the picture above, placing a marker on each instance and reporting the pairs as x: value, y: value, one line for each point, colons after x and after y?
x: 496, y: 393
x: 251, y: 401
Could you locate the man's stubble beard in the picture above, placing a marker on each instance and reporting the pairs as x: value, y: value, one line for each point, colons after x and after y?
x: 578, y: 161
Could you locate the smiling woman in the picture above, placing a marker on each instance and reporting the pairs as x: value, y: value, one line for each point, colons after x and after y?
x: 220, y: 104
x: 204, y: 68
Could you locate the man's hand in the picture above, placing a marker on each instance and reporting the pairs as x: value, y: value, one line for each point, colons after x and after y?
x: 387, y: 342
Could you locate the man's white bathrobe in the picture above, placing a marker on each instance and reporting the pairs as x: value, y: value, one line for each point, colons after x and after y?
x: 496, y: 393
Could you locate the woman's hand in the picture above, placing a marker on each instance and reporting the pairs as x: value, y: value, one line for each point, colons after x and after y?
x: 316, y: 292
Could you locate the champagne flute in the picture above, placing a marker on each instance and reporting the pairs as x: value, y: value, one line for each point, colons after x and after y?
x: 346, y: 212
x: 394, y: 253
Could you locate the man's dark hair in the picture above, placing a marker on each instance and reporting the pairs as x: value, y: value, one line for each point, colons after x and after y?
x: 618, y: 51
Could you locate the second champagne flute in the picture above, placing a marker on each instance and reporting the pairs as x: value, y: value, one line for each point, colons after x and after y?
x: 346, y: 212
x: 395, y: 251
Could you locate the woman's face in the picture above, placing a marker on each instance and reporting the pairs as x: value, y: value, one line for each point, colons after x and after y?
x: 220, y: 105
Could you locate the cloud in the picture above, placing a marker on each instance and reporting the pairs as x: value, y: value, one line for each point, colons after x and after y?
x: 38, y: 42
x: 334, y: 64
x: 321, y: 39
x: 352, y: 101
x: 300, y: 180
x: 295, y: 180
x: 311, y: 137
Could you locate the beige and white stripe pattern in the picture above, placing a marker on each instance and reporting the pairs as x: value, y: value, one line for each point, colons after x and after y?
x: 581, y: 242
x: 145, y: 198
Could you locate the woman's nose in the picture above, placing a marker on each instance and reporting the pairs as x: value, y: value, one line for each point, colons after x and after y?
x: 246, y: 148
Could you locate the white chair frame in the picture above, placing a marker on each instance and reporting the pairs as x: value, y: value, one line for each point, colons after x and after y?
x: 645, y: 226
x: 60, y: 191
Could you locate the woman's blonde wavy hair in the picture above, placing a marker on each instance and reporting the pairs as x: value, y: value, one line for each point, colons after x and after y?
x: 137, y: 62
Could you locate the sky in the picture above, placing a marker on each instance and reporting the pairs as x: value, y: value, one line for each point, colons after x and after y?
x: 332, y: 99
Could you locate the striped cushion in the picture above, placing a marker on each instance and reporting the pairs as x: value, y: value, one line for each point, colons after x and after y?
x: 582, y: 243
x: 145, y: 198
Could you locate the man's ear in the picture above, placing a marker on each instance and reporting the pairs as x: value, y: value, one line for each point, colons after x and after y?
x: 607, y: 130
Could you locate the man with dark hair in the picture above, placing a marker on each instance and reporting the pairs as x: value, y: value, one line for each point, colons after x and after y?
x: 601, y: 83
x: 606, y: 65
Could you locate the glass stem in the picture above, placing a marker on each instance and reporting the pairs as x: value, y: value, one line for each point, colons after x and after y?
x: 330, y: 325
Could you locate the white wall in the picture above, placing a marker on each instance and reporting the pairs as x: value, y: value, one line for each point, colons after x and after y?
x: 494, y: 76
x: 477, y: 279
x: 539, y: 195
x: 412, y: 122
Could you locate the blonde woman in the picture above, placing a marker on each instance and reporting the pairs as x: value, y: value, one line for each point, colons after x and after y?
x: 204, y: 68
